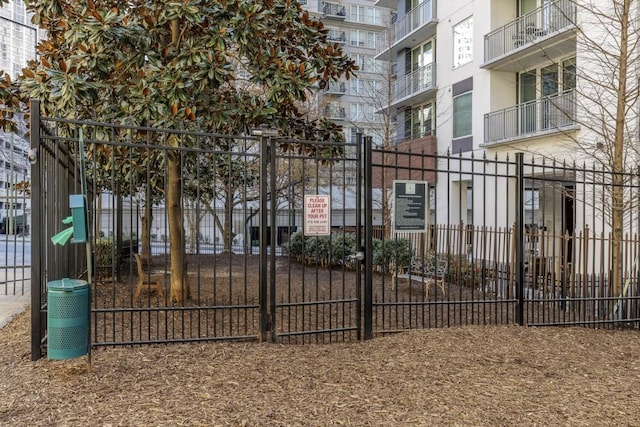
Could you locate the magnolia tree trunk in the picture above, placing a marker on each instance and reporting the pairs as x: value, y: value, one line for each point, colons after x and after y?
x: 227, y: 227
x: 179, y: 285
x: 146, y: 234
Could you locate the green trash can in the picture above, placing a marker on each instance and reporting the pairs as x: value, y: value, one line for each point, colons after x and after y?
x: 67, y: 318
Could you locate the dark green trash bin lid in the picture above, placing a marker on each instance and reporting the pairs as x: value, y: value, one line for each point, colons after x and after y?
x: 69, y: 285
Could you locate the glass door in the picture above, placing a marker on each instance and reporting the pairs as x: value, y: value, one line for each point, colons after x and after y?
x: 528, y: 102
x: 421, y: 57
x: 422, y: 121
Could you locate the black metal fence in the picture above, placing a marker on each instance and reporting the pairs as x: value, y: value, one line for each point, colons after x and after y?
x: 15, y: 215
x: 298, y: 241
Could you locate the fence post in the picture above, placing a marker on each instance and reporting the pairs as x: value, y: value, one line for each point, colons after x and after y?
x: 359, y: 184
x: 272, y: 238
x: 519, y: 240
x: 37, y: 320
x: 368, y: 239
x: 262, y: 293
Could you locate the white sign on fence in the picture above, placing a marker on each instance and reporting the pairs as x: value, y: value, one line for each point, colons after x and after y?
x: 317, y: 215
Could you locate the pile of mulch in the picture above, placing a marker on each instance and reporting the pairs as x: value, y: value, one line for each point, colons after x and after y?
x: 477, y: 376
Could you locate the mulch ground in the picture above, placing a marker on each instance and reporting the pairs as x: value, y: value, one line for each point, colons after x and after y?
x: 476, y: 376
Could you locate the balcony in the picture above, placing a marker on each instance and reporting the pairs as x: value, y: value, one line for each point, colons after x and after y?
x: 414, y: 88
x: 336, y: 88
x: 547, y: 32
x: 418, y: 24
x: 337, y: 36
x: 335, y: 113
x: 539, y: 117
x: 334, y: 11
x: 389, y: 4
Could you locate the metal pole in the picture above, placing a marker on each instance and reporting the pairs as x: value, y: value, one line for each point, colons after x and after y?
x: 264, y: 163
x: 88, y: 250
x: 272, y: 265
x: 37, y: 318
x: 368, y: 237
x: 519, y: 267
x: 359, y: 183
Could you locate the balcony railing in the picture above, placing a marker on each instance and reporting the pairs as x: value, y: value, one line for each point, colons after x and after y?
x: 335, y: 113
x: 338, y: 88
x: 414, y: 19
x: 337, y: 36
x: 540, y: 115
x: 417, y: 81
x: 334, y: 10
x: 527, y: 29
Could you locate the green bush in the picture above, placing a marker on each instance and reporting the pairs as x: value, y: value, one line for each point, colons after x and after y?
x: 397, y: 252
x: 104, y: 253
x: 316, y: 250
x: 295, y: 246
x: 337, y: 249
x: 342, y: 247
x: 322, y: 250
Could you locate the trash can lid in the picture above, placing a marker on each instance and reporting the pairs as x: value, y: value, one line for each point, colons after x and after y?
x: 67, y: 284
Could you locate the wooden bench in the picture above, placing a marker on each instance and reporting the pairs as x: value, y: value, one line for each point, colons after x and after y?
x: 148, y: 280
x: 428, y: 271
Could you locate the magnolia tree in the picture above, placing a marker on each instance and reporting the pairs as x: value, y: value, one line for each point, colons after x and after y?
x: 177, y: 65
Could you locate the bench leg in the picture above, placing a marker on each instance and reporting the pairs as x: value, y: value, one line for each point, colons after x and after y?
x: 155, y: 285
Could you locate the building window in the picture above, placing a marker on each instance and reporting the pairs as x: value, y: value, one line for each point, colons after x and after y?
x: 362, y: 112
x: 462, y: 117
x: 368, y: 63
x: 547, y: 81
x: 361, y: 38
x: 422, y: 121
x: 366, y: 15
x: 356, y: 87
x: 463, y: 42
x: 365, y: 87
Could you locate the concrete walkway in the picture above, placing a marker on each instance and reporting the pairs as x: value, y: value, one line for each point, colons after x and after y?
x: 12, y: 305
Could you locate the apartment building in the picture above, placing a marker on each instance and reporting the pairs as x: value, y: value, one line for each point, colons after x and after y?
x: 498, y: 77
x: 355, y: 104
x: 18, y: 38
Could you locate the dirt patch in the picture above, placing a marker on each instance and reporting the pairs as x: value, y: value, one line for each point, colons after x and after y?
x: 479, y: 376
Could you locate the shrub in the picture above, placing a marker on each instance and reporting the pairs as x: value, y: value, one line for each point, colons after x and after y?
x: 395, y: 251
x: 316, y: 250
x: 337, y: 249
x: 104, y: 252
x: 342, y: 247
x: 295, y: 246
x: 463, y: 272
x: 322, y: 250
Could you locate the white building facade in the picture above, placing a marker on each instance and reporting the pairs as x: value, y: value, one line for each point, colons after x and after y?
x: 498, y: 77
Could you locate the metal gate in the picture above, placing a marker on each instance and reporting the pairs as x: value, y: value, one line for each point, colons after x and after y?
x: 309, y: 249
